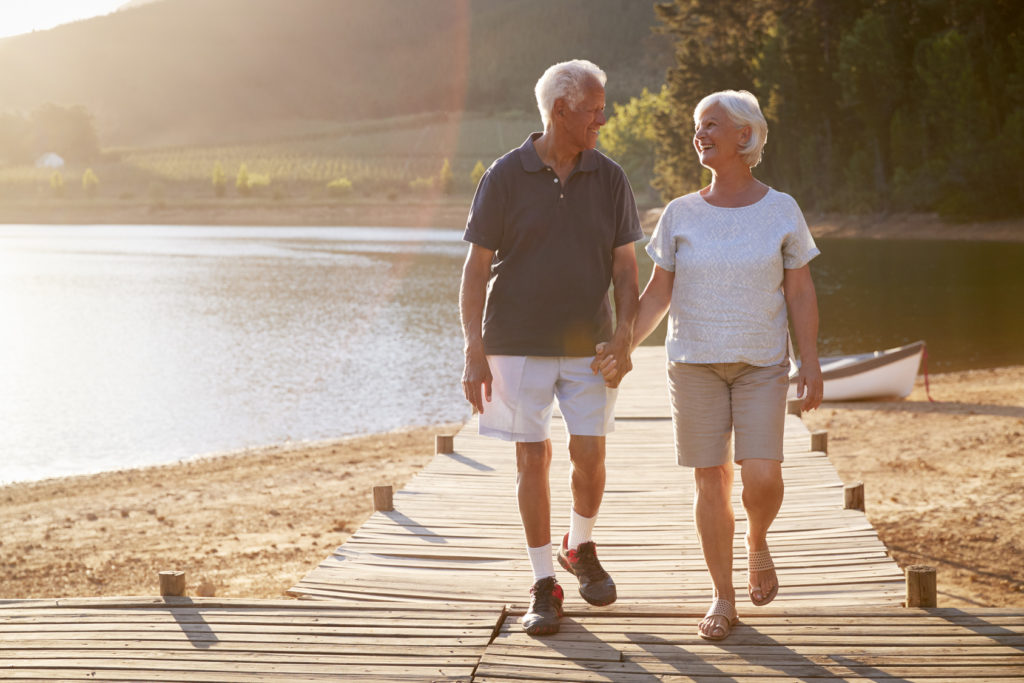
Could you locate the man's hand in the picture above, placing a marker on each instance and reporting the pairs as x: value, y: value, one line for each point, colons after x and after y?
x: 612, y: 361
x: 810, y: 380
x: 476, y: 378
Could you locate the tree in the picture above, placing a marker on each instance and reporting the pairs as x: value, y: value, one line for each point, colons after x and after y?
x: 242, y: 183
x: 477, y: 173
x: 219, y: 180
x: 57, y: 184
x: 445, y: 179
x: 630, y: 138
x: 90, y: 182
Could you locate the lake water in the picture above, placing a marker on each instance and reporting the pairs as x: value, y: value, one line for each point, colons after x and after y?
x: 135, y: 345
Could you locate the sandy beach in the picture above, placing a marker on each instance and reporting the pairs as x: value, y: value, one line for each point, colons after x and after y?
x: 942, y: 487
x: 942, y: 479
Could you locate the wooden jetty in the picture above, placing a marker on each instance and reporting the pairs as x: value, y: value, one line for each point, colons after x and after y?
x: 433, y: 589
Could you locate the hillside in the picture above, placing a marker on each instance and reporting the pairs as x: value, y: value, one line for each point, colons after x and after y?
x: 215, y: 71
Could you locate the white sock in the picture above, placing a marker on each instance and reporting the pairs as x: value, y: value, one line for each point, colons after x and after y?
x: 540, y: 560
x: 581, y: 530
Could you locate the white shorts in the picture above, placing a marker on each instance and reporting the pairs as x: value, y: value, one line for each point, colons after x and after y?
x: 522, y: 393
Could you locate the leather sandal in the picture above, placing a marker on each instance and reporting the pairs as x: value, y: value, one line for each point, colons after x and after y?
x: 727, y: 618
x: 760, y: 561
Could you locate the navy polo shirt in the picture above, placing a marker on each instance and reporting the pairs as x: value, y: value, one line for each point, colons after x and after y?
x: 548, y: 289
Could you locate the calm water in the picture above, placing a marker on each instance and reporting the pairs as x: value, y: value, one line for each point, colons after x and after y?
x: 126, y: 346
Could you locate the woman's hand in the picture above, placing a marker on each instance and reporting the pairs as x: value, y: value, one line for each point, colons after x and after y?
x: 809, y: 382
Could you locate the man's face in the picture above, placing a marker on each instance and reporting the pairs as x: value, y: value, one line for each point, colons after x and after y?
x: 583, y: 123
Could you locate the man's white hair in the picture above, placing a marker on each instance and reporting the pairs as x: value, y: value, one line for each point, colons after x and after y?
x: 567, y: 80
x: 743, y: 110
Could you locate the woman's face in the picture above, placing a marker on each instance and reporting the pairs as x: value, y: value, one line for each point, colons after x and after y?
x: 717, y: 139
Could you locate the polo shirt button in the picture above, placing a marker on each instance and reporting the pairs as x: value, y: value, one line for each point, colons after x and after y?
x: 556, y: 180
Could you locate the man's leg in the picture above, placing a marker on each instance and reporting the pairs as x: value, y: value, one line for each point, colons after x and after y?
x: 586, y: 454
x: 578, y: 553
x: 533, y: 462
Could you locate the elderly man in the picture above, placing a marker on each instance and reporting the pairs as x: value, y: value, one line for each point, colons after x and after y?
x: 552, y: 225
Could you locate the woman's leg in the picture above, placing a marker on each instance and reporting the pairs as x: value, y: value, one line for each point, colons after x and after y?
x: 762, y: 498
x: 759, y: 417
x: 716, y: 525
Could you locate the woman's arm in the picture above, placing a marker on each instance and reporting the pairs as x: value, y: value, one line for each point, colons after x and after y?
x: 654, y: 303
x: 802, y: 304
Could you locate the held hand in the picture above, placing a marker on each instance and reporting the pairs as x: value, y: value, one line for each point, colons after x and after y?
x: 476, y: 379
x: 612, y: 361
x: 809, y: 381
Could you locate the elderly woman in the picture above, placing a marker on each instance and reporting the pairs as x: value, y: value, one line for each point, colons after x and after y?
x: 731, y: 260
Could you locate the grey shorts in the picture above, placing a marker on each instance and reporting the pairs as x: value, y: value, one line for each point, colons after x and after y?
x: 524, y: 389
x: 712, y: 401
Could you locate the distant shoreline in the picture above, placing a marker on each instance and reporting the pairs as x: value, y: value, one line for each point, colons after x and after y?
x: 448, y: 212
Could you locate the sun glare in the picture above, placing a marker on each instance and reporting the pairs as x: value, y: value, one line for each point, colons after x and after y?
x: 39, y: 15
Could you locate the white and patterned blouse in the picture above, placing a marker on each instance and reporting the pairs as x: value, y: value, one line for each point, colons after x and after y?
x: 727, y: 301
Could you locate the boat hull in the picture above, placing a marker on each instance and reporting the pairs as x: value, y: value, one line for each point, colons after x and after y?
x: 882, y: 374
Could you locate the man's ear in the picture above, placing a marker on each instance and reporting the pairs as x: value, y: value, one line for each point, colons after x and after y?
x: 560, y: 107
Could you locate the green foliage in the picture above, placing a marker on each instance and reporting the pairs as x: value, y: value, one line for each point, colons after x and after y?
x: 90, y: 182
x: 219, y: 180
x: 340, y: 187
x: 630, y: 137
x: 445, y: 179
x: 477, y: 173
x: 871, y: 104
x: 242, y: 182
x: 57, y: 184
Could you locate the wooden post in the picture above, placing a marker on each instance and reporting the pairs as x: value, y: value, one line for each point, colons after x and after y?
x: 819, y: 441
x: 921, y: 587
x: 794, y: 406
x: 853, y: 495
x: 383, y: 498
x: 444, y: 443
x: 172, y: 583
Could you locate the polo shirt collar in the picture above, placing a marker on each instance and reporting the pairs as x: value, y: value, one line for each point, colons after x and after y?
x: 532, y: 162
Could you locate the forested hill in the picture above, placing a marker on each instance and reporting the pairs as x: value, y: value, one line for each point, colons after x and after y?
x: 184, y: 71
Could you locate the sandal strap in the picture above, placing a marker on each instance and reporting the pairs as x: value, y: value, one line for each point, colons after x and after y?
x: 760, y: 560
x: 720, y: 607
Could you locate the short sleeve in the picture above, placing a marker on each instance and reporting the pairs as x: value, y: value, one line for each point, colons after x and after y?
x: 485, y: 224
x: 661, y: 248
x: 627, y: 228
x: 798, y: 248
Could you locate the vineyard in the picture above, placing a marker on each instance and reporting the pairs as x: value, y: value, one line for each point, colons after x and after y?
x: 383, y: 158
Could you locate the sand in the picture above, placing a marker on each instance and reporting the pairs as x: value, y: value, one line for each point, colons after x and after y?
x: 942, y: 480
x: 942, y: 483
x: 249, y: 524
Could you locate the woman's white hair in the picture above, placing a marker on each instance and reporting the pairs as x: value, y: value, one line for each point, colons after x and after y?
x: 567, y: 80
x: 743, y: 110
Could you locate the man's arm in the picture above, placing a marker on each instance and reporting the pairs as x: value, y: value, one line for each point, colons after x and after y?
x: 624, y: 279
x: 802, y: 304
x: 476, y: 374
x: 654, y: 304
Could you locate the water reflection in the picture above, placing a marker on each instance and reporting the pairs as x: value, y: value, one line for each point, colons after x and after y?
x: 124, y: 346
x: 963, y: 299
x: 128, y: 346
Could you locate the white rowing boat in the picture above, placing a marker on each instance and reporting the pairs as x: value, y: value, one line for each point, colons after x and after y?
x: 880, y: 374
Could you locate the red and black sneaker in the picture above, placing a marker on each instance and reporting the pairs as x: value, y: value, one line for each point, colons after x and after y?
x: 596, y: 587
x: 545, y: 608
